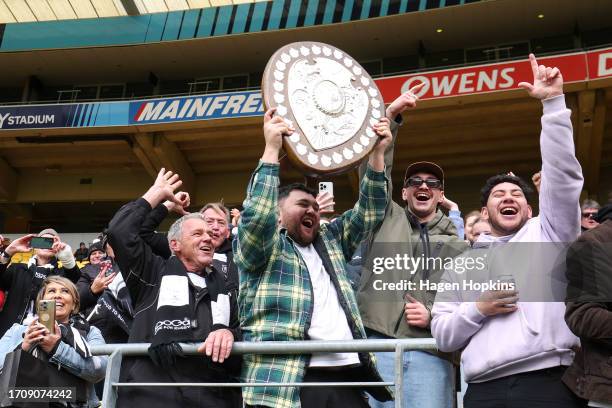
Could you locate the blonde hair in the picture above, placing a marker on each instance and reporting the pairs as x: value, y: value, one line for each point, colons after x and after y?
x: 60, y: 280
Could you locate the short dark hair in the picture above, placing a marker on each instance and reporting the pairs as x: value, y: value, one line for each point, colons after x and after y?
x: 284, y: 191
x: 485, y: 192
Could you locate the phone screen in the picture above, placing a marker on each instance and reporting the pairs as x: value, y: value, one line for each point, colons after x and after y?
x: 41, y: 242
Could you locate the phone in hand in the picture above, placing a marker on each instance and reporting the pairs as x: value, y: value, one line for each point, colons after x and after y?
x: 107, y: 266
x: 46, y: 314
x: 41, y: 242
x: 327, y: 187
x: 511, y: 283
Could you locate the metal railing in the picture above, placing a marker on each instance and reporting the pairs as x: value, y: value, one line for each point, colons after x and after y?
x: 397, y: 346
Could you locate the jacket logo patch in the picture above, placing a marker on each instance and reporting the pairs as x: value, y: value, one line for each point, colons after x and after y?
x: 176, y: 324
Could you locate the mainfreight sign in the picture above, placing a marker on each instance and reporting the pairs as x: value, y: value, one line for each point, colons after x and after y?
x: 216, y: 106
x: 576, y: 67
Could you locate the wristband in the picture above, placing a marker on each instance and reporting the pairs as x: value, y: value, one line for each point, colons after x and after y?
x: 4, y: 257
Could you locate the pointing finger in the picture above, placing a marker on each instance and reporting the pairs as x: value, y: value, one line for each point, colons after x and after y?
x: 417, y: 88
x: 534, y: 65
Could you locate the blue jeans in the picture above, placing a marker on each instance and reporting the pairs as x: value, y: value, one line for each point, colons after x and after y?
x: 429, y: 381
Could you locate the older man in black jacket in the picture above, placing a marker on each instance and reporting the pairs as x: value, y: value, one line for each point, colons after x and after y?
x: 180, y: 299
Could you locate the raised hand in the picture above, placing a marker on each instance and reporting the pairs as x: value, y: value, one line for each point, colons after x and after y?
x: 102, y: 281
x: 326, y: 203
x: 377, y: 157
x: 19, y: 245
x: 274, y: 129
x: 448, y: 204
x: 383, y: 130
x: 163, y: 188
x: 537, y: 180
x: 180, y: 209
x: 235, y: 216
x: 547, y: 81
x: 404, y: 101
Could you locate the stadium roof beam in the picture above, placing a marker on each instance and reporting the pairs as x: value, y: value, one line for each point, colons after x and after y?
x: 143, y: 149
x: 172, y: 158
x: 155, y: 151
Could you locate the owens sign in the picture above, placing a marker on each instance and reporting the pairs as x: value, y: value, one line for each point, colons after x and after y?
x: 578, y: 67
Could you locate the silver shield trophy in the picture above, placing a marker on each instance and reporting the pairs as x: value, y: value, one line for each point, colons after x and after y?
x: 329, y: 99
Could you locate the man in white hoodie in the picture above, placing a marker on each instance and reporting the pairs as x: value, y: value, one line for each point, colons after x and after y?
x: 514, y: 354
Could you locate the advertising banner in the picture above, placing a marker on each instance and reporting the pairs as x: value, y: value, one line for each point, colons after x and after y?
x: 498, y: 77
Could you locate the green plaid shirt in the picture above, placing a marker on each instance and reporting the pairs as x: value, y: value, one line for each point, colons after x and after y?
x: 276, y: 298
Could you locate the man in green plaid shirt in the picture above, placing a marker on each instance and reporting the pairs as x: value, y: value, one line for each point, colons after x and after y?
x: 293, y: 283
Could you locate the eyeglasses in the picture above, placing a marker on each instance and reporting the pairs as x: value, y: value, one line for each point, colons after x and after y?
x: 430, y: 182
x: 588, y: 215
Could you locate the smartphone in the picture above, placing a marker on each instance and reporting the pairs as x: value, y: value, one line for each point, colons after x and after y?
x: 107, y: 266
x: 509, y: 280
x: 41, y: 242
x: 327, y: 186
x: 46, y: 314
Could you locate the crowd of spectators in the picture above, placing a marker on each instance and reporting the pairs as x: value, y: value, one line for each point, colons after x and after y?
x: 277, y: 271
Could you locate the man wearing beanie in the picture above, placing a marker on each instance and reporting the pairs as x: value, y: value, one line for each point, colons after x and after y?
x: 23, y: 281
x: 96, y: 253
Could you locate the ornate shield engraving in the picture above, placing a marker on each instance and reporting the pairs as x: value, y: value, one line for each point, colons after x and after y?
x: 330, y: 101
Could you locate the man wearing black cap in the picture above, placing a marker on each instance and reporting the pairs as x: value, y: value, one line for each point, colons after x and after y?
x: 390, y: 307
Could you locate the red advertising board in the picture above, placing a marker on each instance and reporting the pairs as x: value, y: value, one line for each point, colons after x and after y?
x: 600, y: 63
x: 576, y: 67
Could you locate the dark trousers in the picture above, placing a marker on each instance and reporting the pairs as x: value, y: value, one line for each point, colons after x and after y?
x: 142, y: 369
x: 534, y: 389
x: 330, y: 397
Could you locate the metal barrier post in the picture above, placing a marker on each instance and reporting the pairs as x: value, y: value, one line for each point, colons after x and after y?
x: 399, y: 376
x: 113, y: 369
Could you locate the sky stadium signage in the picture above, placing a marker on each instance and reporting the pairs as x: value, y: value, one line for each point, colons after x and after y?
x: 576, y: 67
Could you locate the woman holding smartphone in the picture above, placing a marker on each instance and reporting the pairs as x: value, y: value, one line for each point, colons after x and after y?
x: 67, y: 345
x: 23, y: 281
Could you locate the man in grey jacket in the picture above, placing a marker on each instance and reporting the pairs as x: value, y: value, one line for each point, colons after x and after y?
x: 417, y: 231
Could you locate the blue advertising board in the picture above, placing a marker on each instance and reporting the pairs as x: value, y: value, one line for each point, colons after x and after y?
x: 126, y: 113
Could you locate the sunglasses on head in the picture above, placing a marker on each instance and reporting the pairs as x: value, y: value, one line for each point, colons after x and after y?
x: 588, y: 215
x: 418, y: 181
